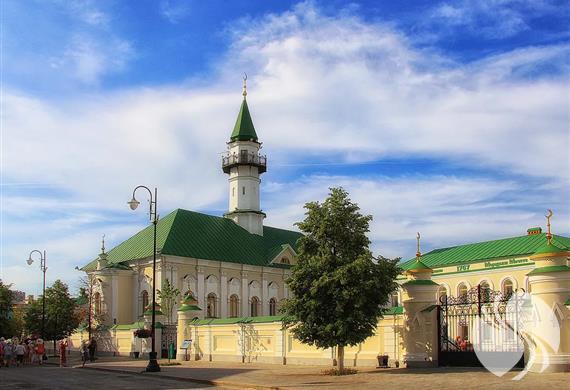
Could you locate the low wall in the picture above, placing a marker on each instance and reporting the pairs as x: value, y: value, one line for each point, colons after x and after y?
x: 267, y: 342
x: 255, y: 339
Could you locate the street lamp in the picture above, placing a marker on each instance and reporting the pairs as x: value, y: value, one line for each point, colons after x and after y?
x: 44, y: 269
x: 133, y: 204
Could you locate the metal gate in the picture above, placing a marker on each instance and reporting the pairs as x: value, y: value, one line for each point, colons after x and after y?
x: 168, y: 337
x: 480, y: 323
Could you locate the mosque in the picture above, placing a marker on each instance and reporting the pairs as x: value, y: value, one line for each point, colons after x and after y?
x: 234, y: 269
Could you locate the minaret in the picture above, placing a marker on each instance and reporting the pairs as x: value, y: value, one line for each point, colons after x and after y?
x: 102, y: 259
x: 244, y: 164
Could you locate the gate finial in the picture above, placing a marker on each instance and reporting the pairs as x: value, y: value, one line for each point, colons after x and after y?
x: 549, y: 233
x: 418, y: 253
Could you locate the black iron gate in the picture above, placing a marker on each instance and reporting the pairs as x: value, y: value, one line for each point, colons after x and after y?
x: 480, y: 323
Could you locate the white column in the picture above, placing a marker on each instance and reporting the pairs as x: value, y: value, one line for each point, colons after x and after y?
x: 244, y: 295
x: 136, y: 295
x: 115, y: 295
x: 174, y: 283
x: 223, y: 294
x: 264, y: 296
x: 201, y: 292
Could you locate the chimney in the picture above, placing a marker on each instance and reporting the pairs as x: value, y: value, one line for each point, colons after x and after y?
x: 534, y: 230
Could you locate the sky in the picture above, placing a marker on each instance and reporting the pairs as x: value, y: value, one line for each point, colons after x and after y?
x: 450, y: 118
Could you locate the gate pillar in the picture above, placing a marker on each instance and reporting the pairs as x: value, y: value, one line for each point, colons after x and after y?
x: 550, y: 295
x: 186, y: 313
x: 420, y: 334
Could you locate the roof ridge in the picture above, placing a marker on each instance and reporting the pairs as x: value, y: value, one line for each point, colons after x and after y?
x: 495, y: 240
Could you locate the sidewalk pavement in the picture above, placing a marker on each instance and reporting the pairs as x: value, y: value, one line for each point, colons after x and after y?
x: 272, y: 376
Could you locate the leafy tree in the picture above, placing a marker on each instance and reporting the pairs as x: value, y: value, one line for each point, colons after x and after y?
x: 6, y: 312
x: 61, y: 315
x: 89, y: 318
x: 168, y: 298
x: 339, y: 290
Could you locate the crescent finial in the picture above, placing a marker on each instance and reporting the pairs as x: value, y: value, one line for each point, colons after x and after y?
x: 244, y: 93
x: 418, y: 253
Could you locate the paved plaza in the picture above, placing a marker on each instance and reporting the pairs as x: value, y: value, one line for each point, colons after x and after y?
x: 121, y: 373
x: 51, y: 377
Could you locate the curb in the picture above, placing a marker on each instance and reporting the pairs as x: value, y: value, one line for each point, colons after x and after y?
x: 234, y: 385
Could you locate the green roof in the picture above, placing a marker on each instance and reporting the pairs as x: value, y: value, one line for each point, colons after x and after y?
x: 236, y: 320
x: 549, y: 248
x: 394, y: 311
x: 419, y: 282
x: 243, y: 129
x: 506, y: 247
x: 418, y: 265
x: 190, y: 234
x: 135, y: 325
x: 548, y: 269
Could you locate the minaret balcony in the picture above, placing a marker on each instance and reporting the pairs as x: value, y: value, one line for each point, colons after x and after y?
x: 244, y: 158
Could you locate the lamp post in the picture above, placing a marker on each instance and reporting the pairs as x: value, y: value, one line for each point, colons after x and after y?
x: 133, y: 204
x: 44, y: 269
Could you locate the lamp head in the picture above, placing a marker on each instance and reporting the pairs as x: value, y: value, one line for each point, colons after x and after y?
x: 133, y: 203
x: 30, y: 260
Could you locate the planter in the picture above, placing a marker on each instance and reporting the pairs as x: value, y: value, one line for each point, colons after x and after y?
x: 382, y: 361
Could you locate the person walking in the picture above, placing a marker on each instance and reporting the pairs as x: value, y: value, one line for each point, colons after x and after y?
x: 84, y: 352
x: 92, y: 349
x: 40, y: 351
x: 8, y: 352
x: 63, y: 353
x: 20, y: 350
x: 2, y: 344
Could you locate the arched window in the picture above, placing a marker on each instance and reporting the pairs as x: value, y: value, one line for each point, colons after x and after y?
x: 144, y: 300
x: 272, y: 307
x: 97, y: 303
x: 507, y: 288
x: 394, y: 299
x: 211, y: 305
x: 441, y: 294
x: 254, y: 307
x: 485, y: 291
x: 285, y: 260
x: 462, y: 290
x: 234, y: 305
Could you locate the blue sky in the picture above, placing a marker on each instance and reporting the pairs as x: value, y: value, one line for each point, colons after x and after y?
x: 450, y: 118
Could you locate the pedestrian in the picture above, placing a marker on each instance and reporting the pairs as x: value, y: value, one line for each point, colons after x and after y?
x: 33, y: 355
x: 2, y: 344
x: 84, y: 352
x: 20, y: 350
x: 8, y: 352
x: 40, y: 350
x: 29, y: 352
x: 92, y: 349
x: 63, y: 353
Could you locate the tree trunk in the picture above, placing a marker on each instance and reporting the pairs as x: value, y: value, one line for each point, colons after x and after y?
x: 340, y: 358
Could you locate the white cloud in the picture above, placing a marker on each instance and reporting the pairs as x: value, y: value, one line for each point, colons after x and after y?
x: 489, y: 18
x: 322, y: 89
x: 447, y: 210
x: 175, y: 11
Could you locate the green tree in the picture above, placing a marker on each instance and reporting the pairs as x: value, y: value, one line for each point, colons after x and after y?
x: 61, y: 315
x: 339, y: 290
x: 168, y: 298
x: 6, y: 311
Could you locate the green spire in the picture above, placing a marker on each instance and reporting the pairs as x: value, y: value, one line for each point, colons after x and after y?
x: 243, y: 129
